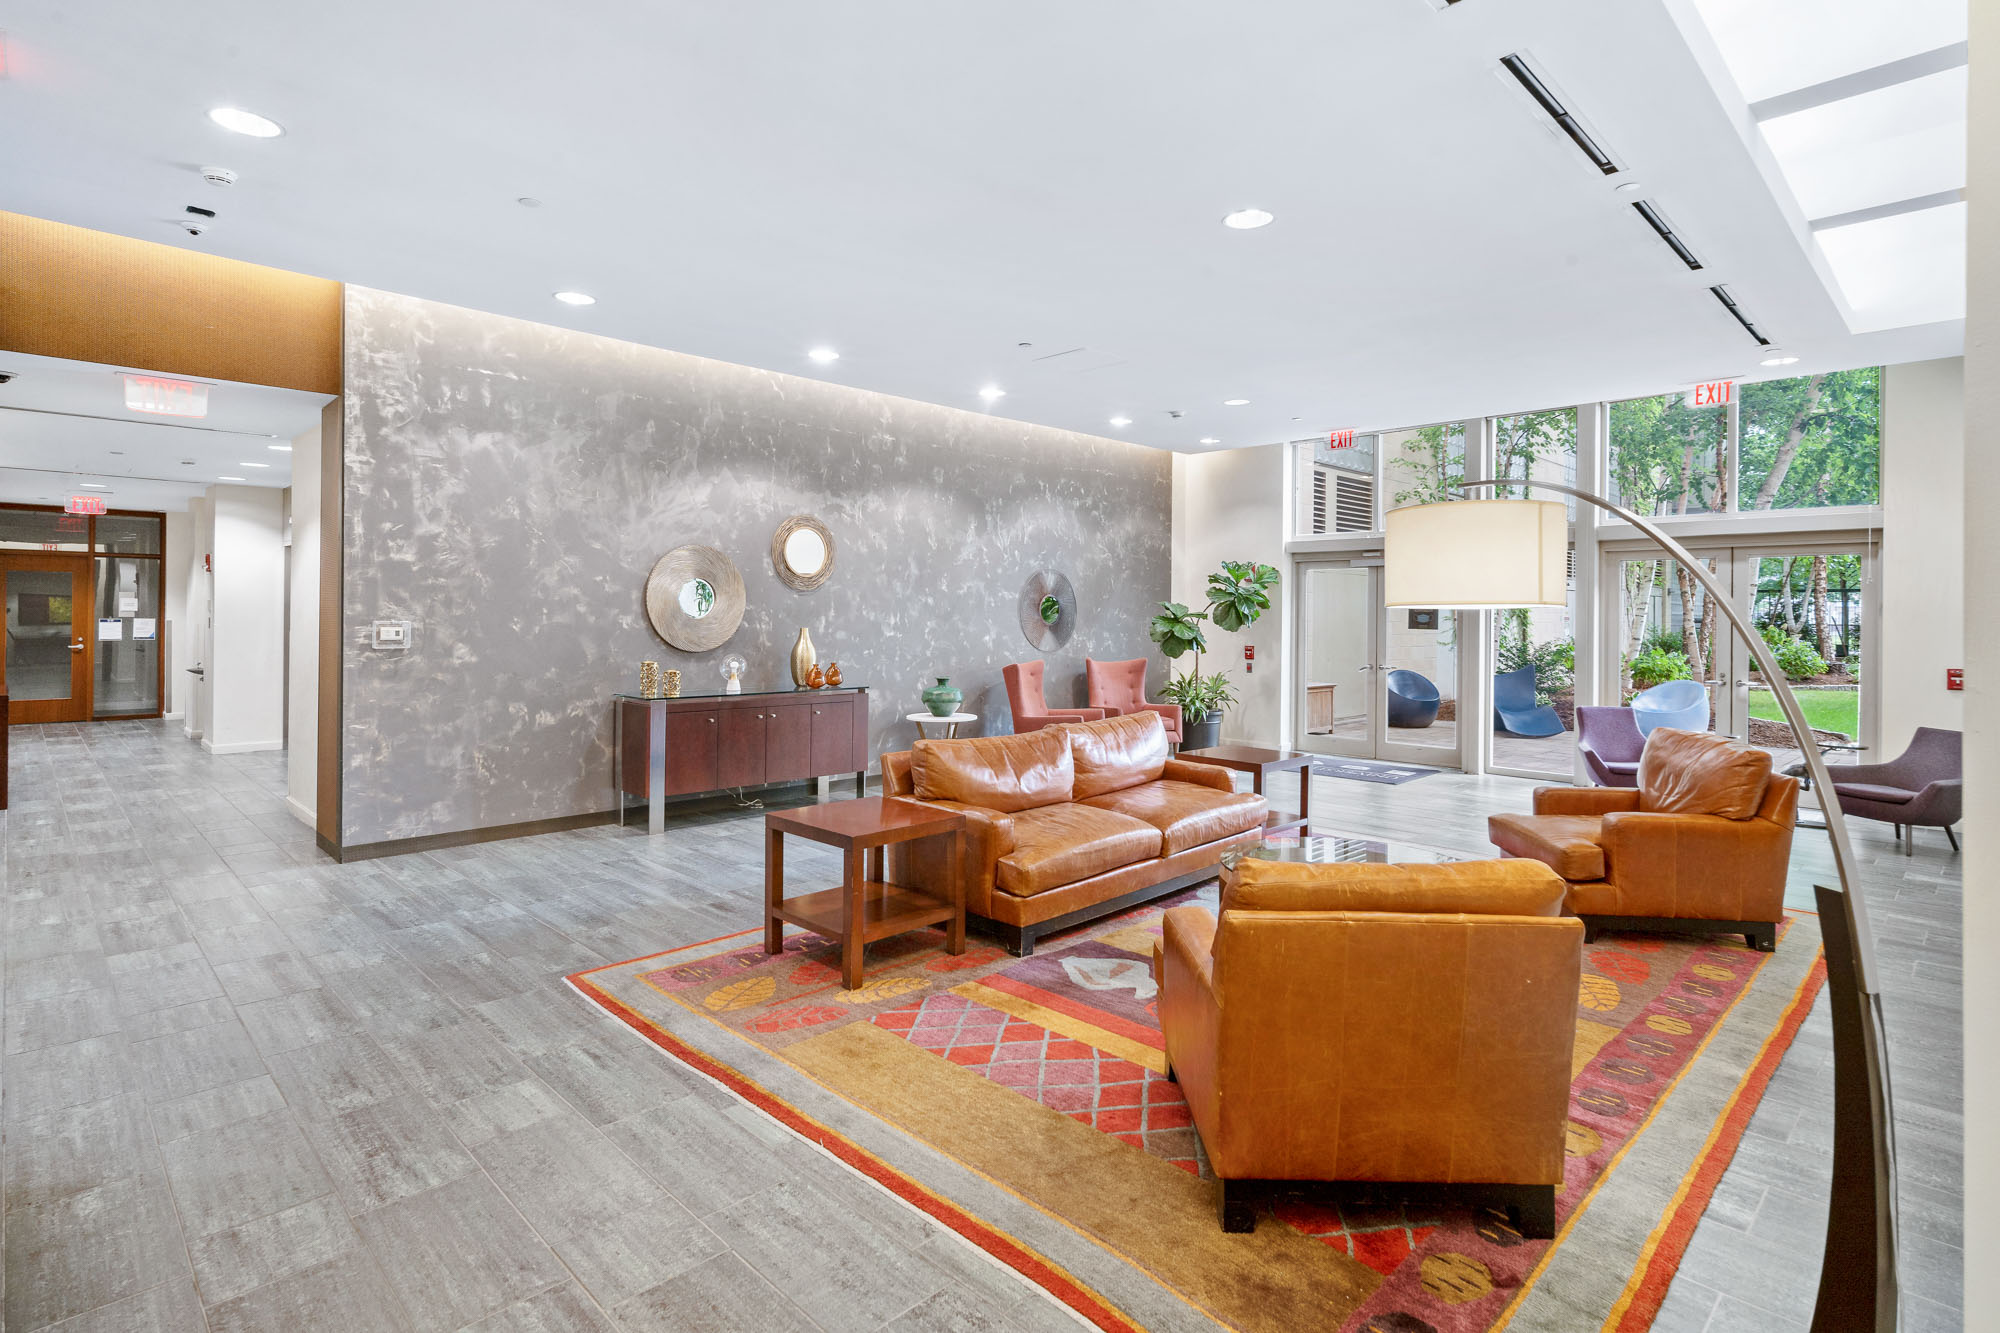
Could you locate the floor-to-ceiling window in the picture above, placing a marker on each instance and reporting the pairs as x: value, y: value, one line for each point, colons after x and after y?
x: 1533, y: 654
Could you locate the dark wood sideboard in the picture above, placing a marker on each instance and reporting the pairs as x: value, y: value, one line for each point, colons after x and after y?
x: 709, y: 742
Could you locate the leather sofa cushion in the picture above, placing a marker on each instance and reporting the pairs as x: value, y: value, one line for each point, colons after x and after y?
x: 1004, y: 773
x: 1874, y: 791
x: 1473, y: 888
x: 1185, y: 814
x: 1056, y: 845
x: 1566, y: 844
x: 1697, y: 773
x: 1116, y: 753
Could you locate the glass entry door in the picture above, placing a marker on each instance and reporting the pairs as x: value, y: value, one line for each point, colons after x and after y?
x: 48, y: 657
x: 1373, y: 683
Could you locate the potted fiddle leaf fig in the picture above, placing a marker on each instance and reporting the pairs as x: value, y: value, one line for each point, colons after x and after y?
x: 1238, y: 594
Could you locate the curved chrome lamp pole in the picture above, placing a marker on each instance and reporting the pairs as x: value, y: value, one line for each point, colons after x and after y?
x: 1858, y: 1283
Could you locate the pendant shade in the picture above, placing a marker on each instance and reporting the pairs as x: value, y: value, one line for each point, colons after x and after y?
x: 1473, y: 555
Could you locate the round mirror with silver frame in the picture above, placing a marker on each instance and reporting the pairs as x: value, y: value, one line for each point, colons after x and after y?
x: 694, y: 597
x: 802, y: 552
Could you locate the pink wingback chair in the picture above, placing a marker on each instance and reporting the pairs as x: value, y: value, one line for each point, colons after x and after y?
x: 1120, y: 688
x: 1031, y: 711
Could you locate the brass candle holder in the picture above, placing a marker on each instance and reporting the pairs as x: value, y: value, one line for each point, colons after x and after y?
x: 649, y: 680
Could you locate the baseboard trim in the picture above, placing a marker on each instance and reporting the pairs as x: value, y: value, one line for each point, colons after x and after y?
x: 303, y: 813
x: 241, y: 747
x: 431, y: 842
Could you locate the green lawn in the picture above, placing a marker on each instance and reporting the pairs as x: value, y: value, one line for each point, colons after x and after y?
x: 1827, y: 710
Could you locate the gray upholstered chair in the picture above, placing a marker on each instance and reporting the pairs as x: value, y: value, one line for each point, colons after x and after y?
x: 1923, y: 786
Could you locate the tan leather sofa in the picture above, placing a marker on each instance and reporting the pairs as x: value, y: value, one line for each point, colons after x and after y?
x: 1403, y: 1030
x: 1700, y: 846
x: 1069, y: 822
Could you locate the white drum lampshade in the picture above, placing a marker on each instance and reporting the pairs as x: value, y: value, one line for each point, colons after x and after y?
x: 1476, y: 555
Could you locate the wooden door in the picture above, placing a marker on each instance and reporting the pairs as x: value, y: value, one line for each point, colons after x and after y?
x: 49, y: 646
x: 691, y: 751
x: 739, y: 756
x: 788, y: 743
x: 833, y: 736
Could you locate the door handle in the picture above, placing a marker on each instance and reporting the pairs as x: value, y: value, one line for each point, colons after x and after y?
x: 76, y: 647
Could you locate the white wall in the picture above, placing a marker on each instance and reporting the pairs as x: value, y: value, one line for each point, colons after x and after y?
x: 302, y: 729
x: 197, y: 705
x: 1980, y: 485
x: 1231, y: 506
x: 247, y: 649
x: 1923, y: 550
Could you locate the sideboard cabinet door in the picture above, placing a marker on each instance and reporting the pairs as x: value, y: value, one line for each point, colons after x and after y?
x: 691, y: 751
x: 739, y: 758
x: 788, y: 743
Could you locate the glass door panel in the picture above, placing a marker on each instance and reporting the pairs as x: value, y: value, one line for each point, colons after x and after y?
x: 127, y: 638
x: 1418, y: 683
x: 1664, y: 639
x: 1533, y: 665
x: 47, y: 675
x: 1808, y: 606
x: 1337, y: 615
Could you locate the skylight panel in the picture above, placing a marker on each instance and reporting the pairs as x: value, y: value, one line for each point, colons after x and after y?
x: 1901, y: 270
x: 1779, y: 46
x: 1902, y: 142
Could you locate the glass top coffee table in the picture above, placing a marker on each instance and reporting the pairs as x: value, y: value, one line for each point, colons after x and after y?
x: 1331, y: 845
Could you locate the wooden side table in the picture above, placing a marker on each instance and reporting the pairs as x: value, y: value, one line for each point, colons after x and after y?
x: 864, y: 908
x: 1259, y: 763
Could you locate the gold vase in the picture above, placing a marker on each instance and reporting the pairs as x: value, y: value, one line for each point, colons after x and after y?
x: 673, y: 683
x: 802, y: 658
x: 649, y: 680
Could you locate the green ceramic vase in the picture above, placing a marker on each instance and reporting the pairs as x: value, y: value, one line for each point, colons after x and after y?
x: 943, y: 698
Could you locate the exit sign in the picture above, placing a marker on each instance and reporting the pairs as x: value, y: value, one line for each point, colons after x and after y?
x: 1340, y: 439
x: 165, y: 397
x: 84, y: 504
x: 1715, y: 393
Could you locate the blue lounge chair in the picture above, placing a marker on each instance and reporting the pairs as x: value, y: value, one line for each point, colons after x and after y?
x: 1515, y: 709
x: 1413, y: 700
x: 1677, y: 703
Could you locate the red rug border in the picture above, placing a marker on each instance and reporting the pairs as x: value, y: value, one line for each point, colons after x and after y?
x: 1017, y: 1256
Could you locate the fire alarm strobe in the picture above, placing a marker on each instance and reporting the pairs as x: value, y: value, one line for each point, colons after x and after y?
x: 1249, y: 658
x: 1954, y: 678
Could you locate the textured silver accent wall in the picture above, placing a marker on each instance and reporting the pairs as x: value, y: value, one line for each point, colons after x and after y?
x: 509, y: 485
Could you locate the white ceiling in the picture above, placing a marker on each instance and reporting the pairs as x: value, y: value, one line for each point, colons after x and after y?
x: 65, y: 430
x: 924, y: 187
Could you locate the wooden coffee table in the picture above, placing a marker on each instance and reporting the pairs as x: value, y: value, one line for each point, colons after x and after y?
x: 864, y: 908
x: 1259, y: 763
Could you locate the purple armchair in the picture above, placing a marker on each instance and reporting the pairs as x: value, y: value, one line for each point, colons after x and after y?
x: 1611, y: 744
x: 1923, y: 786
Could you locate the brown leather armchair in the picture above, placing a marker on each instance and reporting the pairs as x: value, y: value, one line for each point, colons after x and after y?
x: 1701, y: 846
x: 1397, y: 1029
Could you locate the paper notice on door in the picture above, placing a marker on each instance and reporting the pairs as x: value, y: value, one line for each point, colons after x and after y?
x: 146, y: 627
x: 110, y: 631
x: 128, y: 606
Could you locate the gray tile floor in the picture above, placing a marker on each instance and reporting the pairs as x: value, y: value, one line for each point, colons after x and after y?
x: 244, y: 1088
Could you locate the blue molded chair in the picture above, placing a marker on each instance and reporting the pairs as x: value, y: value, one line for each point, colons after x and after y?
x: 1681, y: 704
x: 1413, y: 700
x: 1515, y: 709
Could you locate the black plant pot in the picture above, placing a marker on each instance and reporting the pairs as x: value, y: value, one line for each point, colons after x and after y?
x: 1203, y: 734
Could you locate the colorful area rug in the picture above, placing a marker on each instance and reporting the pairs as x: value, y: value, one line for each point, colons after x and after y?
x: 1045, y: 1075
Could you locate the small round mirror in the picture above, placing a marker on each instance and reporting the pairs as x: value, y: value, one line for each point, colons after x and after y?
x: 805, y: 552
x: 802, y: 552
x: 697, y: 598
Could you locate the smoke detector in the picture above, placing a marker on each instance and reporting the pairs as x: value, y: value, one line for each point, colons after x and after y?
x: 218, y: 175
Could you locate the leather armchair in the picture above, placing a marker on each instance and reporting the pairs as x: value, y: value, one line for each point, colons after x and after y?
x: 1407, y: 1026
x: 1031, y: 711
x: 1120, y: 688
x: 1701, y: 845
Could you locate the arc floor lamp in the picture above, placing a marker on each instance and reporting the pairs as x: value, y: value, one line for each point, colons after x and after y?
x: 1477, y: 555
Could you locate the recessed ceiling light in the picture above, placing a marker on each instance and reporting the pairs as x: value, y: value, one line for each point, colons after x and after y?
x: 281, y: 448
x: 576, y: 298
x: 1627, y: 187
x: 1236, y: 402
x: 91, y: 486
x: 1779, y: 359
x: 991, y: 392
x: 528, y: 201
x: 1121, y: 421
x: 253, y: 465
x: 1246, y: 219
x: 229, y: 478
x: 826, y: 356
x: 246, y: 122
x: 1210, y: 439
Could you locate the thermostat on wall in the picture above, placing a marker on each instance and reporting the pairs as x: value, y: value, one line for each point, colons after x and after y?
x: 392, y: 636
